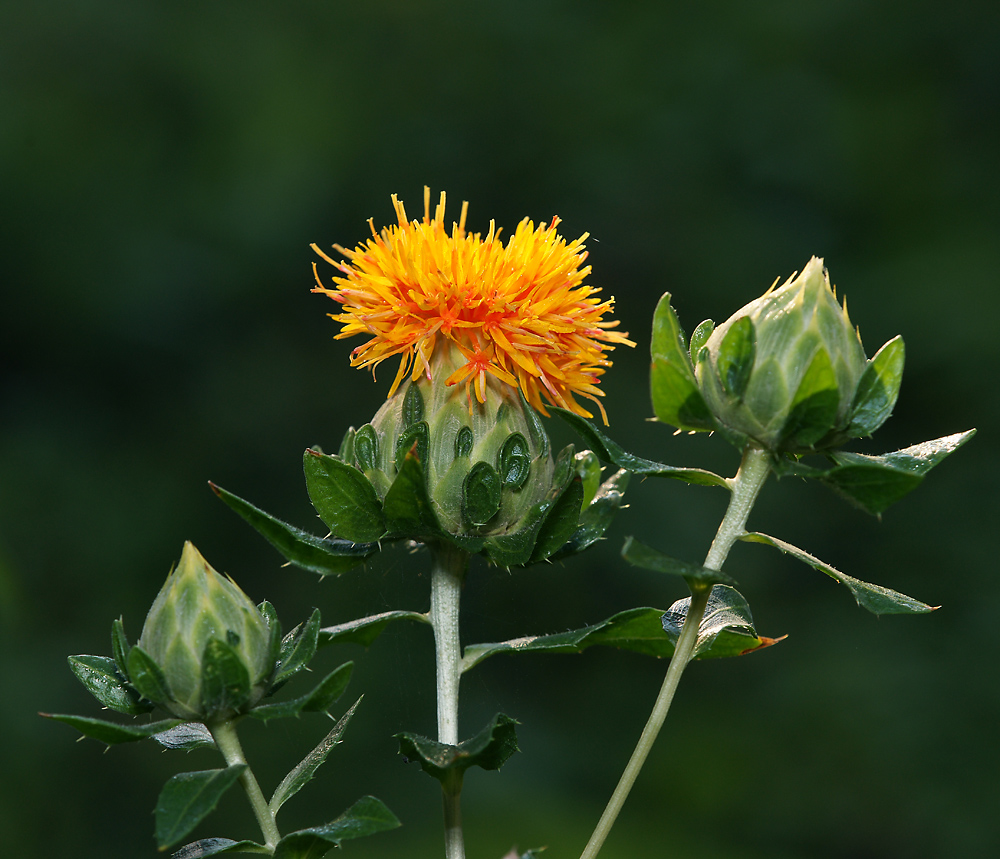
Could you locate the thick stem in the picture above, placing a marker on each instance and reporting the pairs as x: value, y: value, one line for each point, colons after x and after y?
x: 447, y: 576
x: 229, y: 744
x: 745, y: 486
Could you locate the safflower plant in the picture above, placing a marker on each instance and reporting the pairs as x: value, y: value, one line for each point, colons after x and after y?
x: 488, y: 336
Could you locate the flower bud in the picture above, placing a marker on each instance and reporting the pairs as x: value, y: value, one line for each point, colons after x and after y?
x: 788, y: 370
x: 485, y: 463
x: 209, y: 641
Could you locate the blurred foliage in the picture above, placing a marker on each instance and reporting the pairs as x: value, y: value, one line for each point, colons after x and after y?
x: 163, y: 169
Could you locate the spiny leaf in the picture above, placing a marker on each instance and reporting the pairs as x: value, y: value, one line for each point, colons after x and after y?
x: 874, y: 598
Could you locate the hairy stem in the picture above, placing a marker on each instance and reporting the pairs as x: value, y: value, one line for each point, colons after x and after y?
x: 229, y: 744
x: 447, y: 576
x: 745, y: 486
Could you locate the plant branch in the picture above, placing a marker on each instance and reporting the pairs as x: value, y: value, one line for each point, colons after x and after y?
x: 447, y: 575
x: 228, y: 742
x: 745, y: 487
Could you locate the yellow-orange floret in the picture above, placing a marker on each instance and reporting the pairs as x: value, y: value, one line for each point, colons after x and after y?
x: 519, y: 312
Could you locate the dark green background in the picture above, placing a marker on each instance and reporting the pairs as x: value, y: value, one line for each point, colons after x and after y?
x: 163, y: 168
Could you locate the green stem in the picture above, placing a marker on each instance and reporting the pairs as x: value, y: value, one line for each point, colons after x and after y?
x: 447, y: 576
x: 745, y: 486
x: 229, y: 744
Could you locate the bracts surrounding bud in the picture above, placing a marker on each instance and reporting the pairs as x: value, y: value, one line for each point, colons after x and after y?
x: 206, y: 652
x: 485, y: 464
x: 787, y: 372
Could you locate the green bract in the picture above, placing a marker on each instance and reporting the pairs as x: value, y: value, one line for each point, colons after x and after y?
x: 438, y: 467
x: 787, y: 371
x: 485, y: 464
x: 205, y: 652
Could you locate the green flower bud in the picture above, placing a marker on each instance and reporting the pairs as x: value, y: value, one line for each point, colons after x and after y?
x: 486, y: 464
x: 788, y: 370
x: 209, y: 647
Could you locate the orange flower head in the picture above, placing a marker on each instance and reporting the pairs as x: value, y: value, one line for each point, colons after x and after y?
x: 519, y: 312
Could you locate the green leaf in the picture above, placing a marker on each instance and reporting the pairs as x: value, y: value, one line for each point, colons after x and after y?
x: 215, y: 846
x: 147, y: 678
x: 878, y: 389
x: 270, y: 616
x: 325, y: 556
x: 367, y: 816
x: 344, y: 498
x: 112, y: 733
x: 321, y: 698
x: 100, y: 675
x: 735, y: 358
x: 676, y: 397
x: 814, y: 407
x: 489, y: 749
x: 407, y: 508
x: 225, y: 680
x: 699, y: 337
x: 120, y: 646
x: 560, y: 522
x: 481, y: 494
x: 365, y: 630
x: 874, y: 483
x: 346, y: 449
x: 185, y: 737
x: 874, y: 598
x: 292, y: 783
x: 187, y: 798
x: 588, y: 467
x: 597, y: 517
x: 612, y: 452
x: 298, y: 648
x: 726, y: 628
x: 647, y: 558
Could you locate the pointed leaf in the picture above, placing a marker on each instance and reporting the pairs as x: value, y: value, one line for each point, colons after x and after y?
x: 100, y: 675
x: 560, y: 522
x: 874, y: 483
x: 185, y: 737
x: 187, y: 799
x: 325, y: 556
x: 270, y: 616
x: 647, y: 558
x: 815, y: 404
x: 325, y: 693
x: 225, y: 680
x: 344, y: 498
x: 147, y: 678
x: 367, y: 816
x: 365, y: 630
x: 677, y: 400
x: 329, y: 689
x: 597, y: 517
x: 614, y: 453
x: 120, y: 647
x: 489, y: 749
x: 407, y: 508
x: 214, y: 846
x: 292, y: 783
x: 878, y: 389
x: 737, y: 351
x: 113, y: 733
x: 726, y: 628
x: 639, y: 630
x: 699, y: 337
x: 298, y: 648
x: 874, y: 598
